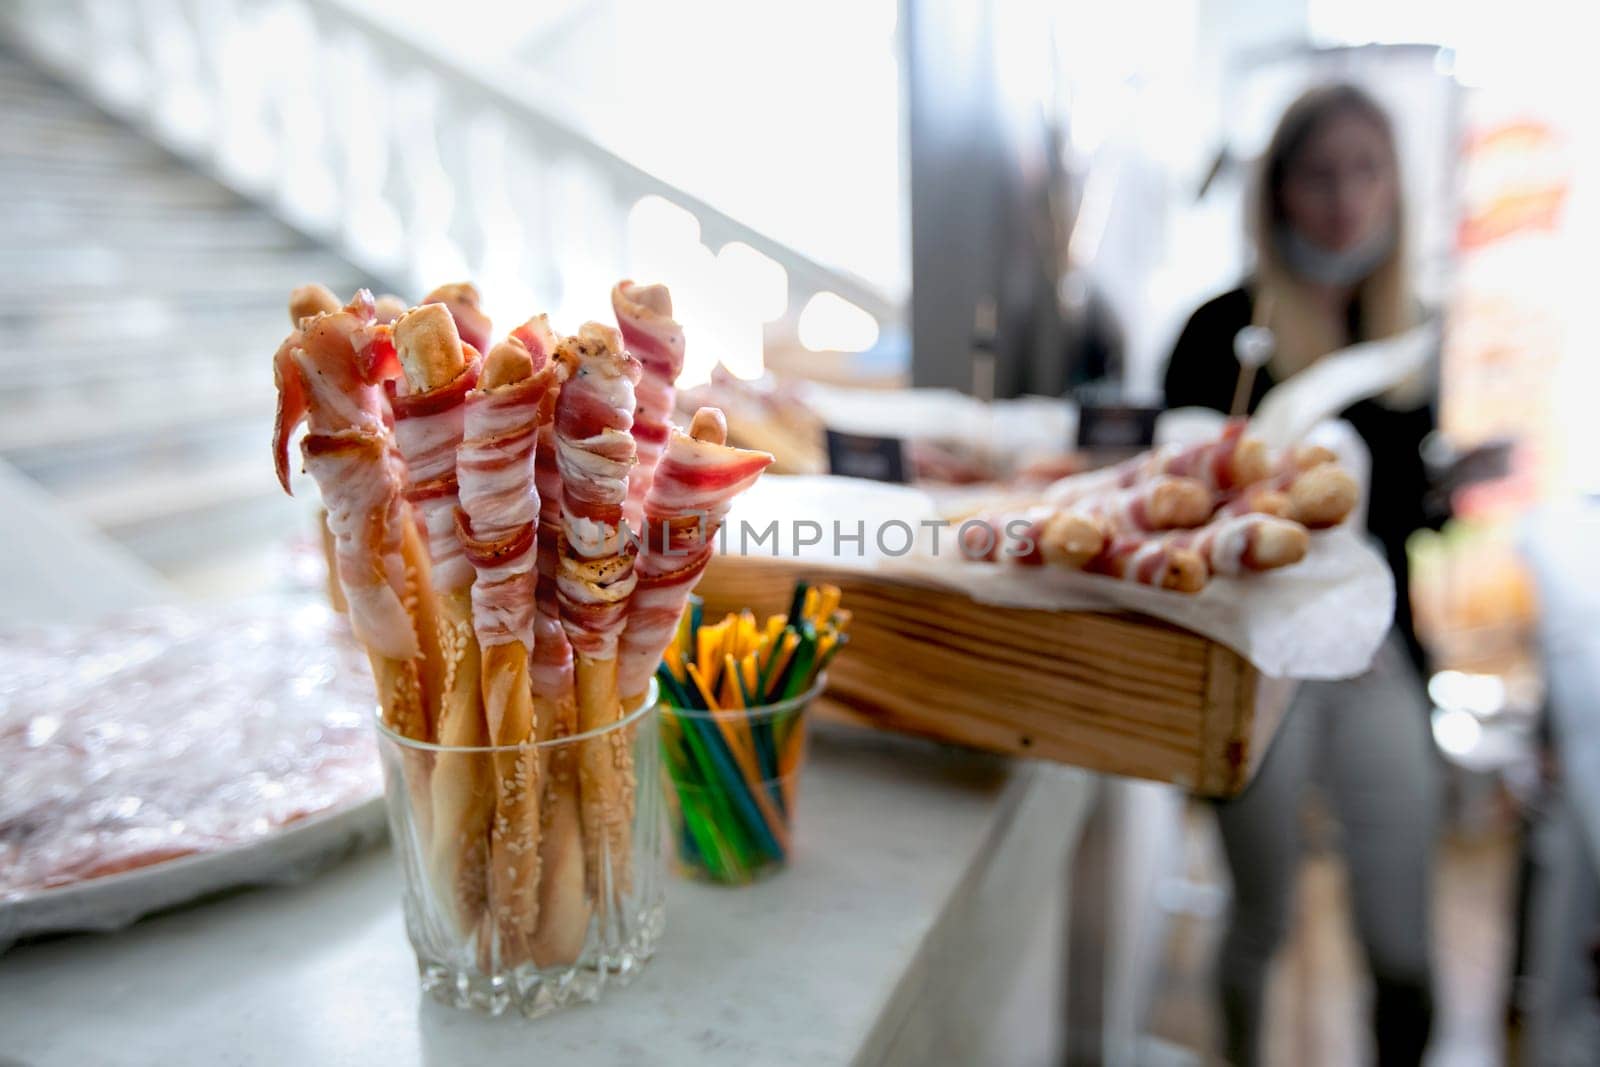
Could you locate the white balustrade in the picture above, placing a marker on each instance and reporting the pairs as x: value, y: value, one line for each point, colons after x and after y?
x: 415, y: 166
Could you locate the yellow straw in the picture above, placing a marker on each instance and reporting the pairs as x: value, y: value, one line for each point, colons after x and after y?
x: 828, y: 602
x: 745, y: 758
x: 748, y: 673
x: 790, y: 643
x: 731, y: 697
x: 705, y: 690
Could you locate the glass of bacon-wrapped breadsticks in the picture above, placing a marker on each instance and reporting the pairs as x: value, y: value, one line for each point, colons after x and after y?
x: 516, y: 527
x: 1175, y: 517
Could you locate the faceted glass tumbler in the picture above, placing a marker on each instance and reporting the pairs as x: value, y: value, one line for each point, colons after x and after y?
x: 533, y: 874
x: 734, y: 776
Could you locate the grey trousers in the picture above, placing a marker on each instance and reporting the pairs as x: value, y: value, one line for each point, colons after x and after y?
x: 1366, y: 743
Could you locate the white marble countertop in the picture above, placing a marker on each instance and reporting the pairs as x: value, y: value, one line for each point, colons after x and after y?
x: 921, y: 874
x: 803, y: 968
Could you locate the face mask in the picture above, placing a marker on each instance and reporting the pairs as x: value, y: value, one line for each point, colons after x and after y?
x: 1316, y: 264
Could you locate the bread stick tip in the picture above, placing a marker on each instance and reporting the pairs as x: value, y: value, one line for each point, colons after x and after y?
x: 710, y: 425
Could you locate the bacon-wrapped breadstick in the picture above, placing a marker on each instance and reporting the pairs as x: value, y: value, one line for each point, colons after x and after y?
x: 1261, y: 499
x: 462, y: 301
x: 1223, y: 464
x: 439, y: 372
x: 312, y: 299
x: 651, y: 336
x: 1161, y: 502
x: 1309, y: 486
x: 497, y: 522
x: 1234, y: 545
x: 1228, y: 462
x: 1322, y: 495
x: 389, y: 307
x: 595, y: 453
x: 1150, y: 559
x: 304, y: 302
x: 696, y: 481
x: 564, y: 909
x: 1059, y: 536
x: 348, y: 451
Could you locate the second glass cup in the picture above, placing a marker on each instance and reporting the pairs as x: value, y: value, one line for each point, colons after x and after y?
x: 519, y: 890
x: 735, y: 777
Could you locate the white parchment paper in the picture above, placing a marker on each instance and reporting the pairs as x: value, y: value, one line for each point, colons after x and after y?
x: 1322, y: 618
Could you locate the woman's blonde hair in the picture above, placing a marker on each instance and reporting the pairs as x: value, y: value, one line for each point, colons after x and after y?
x: 1283, y: 301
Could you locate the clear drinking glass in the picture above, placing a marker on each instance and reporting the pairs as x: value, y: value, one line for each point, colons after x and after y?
x: 516, y: 894
x: 735, y: 777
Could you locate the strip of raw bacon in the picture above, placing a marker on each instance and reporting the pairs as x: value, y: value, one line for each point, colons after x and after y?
x: 305, y: 302
x: 349, y: 453
x: 694, y: 485
x: 654, y: 338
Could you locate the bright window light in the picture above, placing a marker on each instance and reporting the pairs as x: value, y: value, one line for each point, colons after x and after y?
x: 758, y: 280
x: 657, y: 225
x: 830, y: 323
x: 1456, y: 731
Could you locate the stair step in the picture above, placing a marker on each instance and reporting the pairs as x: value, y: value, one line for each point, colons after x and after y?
x: 173, y: 493
x: 217, y: 228
x: 66, y: 425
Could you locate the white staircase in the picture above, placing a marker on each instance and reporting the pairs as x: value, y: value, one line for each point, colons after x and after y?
x: 171, y: 168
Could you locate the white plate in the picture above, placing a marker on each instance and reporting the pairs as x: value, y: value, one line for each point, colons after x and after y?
x: 112, y: 902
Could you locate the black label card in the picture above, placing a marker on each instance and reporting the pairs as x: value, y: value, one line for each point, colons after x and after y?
x: 853, y: 455
x: 1116, y: 427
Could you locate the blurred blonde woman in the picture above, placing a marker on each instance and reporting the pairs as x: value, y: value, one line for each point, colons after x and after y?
x: 1328, y: 226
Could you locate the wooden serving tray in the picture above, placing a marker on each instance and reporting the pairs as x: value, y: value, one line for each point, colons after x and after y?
x: 1119, y: 694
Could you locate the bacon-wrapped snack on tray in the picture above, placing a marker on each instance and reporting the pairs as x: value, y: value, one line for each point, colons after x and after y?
x: 1222, y: 465
x: 1031, y: 537
x: 1239, y: 544
x: 595, y: 453
x: 439, y: 372
x: 654, y: 338
x: 696, y: 481
x: 348, y: 450
x: 1261, y: 499
x: 1151, y: 559
x: 1161, y: 502
x: 1308, y: 486
x: 496, y: 524
x: 1321, y: 492
x: 1229, y: 461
